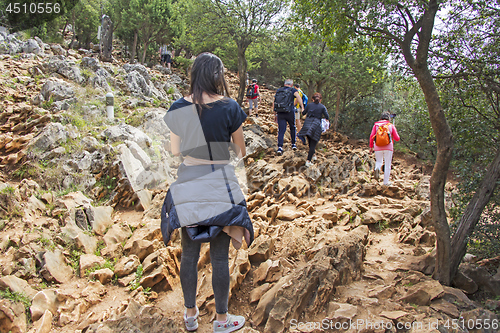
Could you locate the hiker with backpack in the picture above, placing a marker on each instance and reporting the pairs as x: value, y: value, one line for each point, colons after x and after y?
x: 166, y: 56
x: 296, y: 104
x: 382, y: 140
x: 315, y: 111
x: 253, y: 96
x: 284, y: 112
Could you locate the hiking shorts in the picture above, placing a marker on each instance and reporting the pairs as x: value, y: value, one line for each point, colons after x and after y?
x: 166, y: 58
x: 254, y: 102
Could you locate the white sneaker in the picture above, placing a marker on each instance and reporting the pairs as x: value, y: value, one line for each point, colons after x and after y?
x: 232, y: 324
x: 191, y: 322
x: 313, y: 158
x: 308, y: 163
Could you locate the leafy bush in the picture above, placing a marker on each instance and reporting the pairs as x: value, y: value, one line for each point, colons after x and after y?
x: 183, y: 63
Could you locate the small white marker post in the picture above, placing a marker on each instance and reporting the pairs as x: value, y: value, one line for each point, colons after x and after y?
x: 110, y: 108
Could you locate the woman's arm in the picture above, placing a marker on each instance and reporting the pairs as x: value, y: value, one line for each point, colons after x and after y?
x: 372, y: 135
x: 325, y: 112
x: 239, y: 141
x: 175, y: 144
x: 395, y: 134
x: 304, y: 110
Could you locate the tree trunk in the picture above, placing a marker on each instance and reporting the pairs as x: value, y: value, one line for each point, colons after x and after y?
x: 310, y: 89
x: 143, y: 58
x: 472, y: 213
x: 134, y: 46
x: 337, y: 111
x: 242, y: 69
x: 444, y: 137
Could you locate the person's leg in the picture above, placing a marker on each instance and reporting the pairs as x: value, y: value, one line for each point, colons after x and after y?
x: 312, y: 148
x: 379, y: 159
x: 189, y: 271
x: 219, y: 251
x: 387, y: 167
x: 250, y: 106
x: 256, y: 105
x: 281, y: 129
x: 291, y: 121
x: 298, y: 125
x: 169, y: 60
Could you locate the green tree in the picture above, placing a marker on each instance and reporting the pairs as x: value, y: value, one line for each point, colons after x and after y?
x: 405, y: 26
x: 245, y: 21
x: 468, y: 49
x: 85, y: 19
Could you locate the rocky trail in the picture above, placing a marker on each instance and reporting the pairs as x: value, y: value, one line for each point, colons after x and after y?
x: 80, y: 199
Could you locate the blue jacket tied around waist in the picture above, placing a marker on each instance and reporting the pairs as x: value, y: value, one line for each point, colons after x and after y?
x: 204, y: 199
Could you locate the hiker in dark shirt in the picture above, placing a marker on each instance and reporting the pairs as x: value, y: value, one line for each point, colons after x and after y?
x: 205, y: 201
x: 284, y: 112
x: 312, y: 125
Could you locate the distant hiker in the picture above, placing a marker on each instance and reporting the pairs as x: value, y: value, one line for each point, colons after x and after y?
x: 315, y: 111
x: 253, y: 96
x: 296, y: 104
x: 165, y: 55
x: 383, y: 136
x: 206, y: 201
x: 284, y: 112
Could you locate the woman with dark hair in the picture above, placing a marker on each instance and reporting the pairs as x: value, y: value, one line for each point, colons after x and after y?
x: 206, y: 201
x: 311, y: 129
x: 383, y: 152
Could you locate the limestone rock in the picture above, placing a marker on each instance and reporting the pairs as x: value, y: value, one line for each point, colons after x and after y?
x: 465, y: 283
x: 103, y: 275
x: 257, y: 293
x: 57, y: 90
x: 90, y: 261
x: 12, y: 316
x: 126, y: 265
x: 117, y: 234
x: 44, y: 325
x: 141, y: 248
x: 55, y: 268
x: 15, y: 284
x: 125, y: 132
x: 142, y: 319
x: 261, y: 249
x: 101, y: 219
x: 316, y: 282
x: 52, y: 135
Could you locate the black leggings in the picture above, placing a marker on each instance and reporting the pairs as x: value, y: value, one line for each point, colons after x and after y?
x: 312, y: 148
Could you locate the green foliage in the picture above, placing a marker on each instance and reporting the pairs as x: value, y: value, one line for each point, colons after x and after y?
x: 136, y: 118
x: 100, y: 245
x: 18, y: 298
x: 107, y: 264
x: 74, y: 259
x: 48, y: 104
x: 8, y: 190
x: 47, y: 243
x: 183, y: 63
x: 138, y: 276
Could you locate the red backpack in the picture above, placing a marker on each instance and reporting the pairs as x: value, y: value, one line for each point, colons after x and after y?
x: 383, y: 136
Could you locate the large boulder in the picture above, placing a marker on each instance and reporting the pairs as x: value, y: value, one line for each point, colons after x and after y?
x: 51, y: 136
x: 308, y: 290
x: 125, y: 132
x: 57, y: 90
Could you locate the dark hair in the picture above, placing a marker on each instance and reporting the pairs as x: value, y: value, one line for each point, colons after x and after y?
x: 207, y: 75
x: 385, y: 116
x: 296, y: 85
x: 317, y: 98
